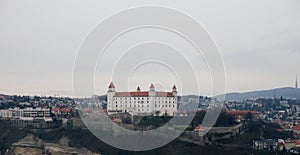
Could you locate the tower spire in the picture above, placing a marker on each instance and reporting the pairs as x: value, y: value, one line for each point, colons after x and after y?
x: 152, y: 87
x: 111, y: 87
x: 296, y: 82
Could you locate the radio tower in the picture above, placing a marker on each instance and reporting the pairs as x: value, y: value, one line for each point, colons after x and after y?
x: 296, y: 82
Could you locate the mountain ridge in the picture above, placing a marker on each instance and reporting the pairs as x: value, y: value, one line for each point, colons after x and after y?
x: 286, y: 92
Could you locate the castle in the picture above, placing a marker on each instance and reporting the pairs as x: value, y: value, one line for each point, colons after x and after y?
x: 142, y: 102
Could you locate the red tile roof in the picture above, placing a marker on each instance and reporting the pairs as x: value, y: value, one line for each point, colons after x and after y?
x: 117, y: 120
x: 199, y: 128
x: 296, y: 127
x: 143, y: 94
x: 66, y: 110
x: 132, y: 94
x: 164, y: 94
x: 242, y: 112
x: 174, y: 87
x: 297, y: 142
x: 55, y: 109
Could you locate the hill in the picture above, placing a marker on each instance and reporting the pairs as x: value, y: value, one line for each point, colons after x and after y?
x: 286, y: 92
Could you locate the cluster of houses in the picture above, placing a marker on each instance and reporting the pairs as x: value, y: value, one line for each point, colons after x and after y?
x: 35, y: 111
x: 288, y: 145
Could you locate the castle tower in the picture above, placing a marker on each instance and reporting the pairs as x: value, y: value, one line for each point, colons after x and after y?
x: 174, y: 91
x: 152, y: 90
x: 110, y: 94
x: 111, y: 87
x: 138, y: 89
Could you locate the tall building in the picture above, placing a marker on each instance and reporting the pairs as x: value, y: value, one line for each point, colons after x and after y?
x: 142, y: 102
x: 296, y: 82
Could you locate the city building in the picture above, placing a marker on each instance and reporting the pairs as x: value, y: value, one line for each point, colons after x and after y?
x: 26, y: 113
x: 139, y: 102
x: 29, y: 117
x: 265, y: 144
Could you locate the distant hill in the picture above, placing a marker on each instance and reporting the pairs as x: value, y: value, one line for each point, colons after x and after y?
x: 286, y: 92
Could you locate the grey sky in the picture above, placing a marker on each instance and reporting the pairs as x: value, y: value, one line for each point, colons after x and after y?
x: 259, y: 40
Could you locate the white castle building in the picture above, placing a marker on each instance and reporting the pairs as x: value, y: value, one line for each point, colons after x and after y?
x: 142, y: 102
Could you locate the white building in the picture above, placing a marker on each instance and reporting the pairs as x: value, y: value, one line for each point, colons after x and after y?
x: 17, y: 113
x: 142, y: 102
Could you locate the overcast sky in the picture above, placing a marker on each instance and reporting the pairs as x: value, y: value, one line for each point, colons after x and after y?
x: 259, y: 40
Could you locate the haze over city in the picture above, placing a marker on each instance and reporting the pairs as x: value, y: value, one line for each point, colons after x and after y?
x: 149, y: 77
x: 259, y: 42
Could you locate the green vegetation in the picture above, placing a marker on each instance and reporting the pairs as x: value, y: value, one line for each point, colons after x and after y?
x: 9, y: 135
x: 268, y: 130
x: 84, y: 138
x: 240, y: 144
x: 258, y: 130
x: 224, y: 119
x: 155, y: 121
